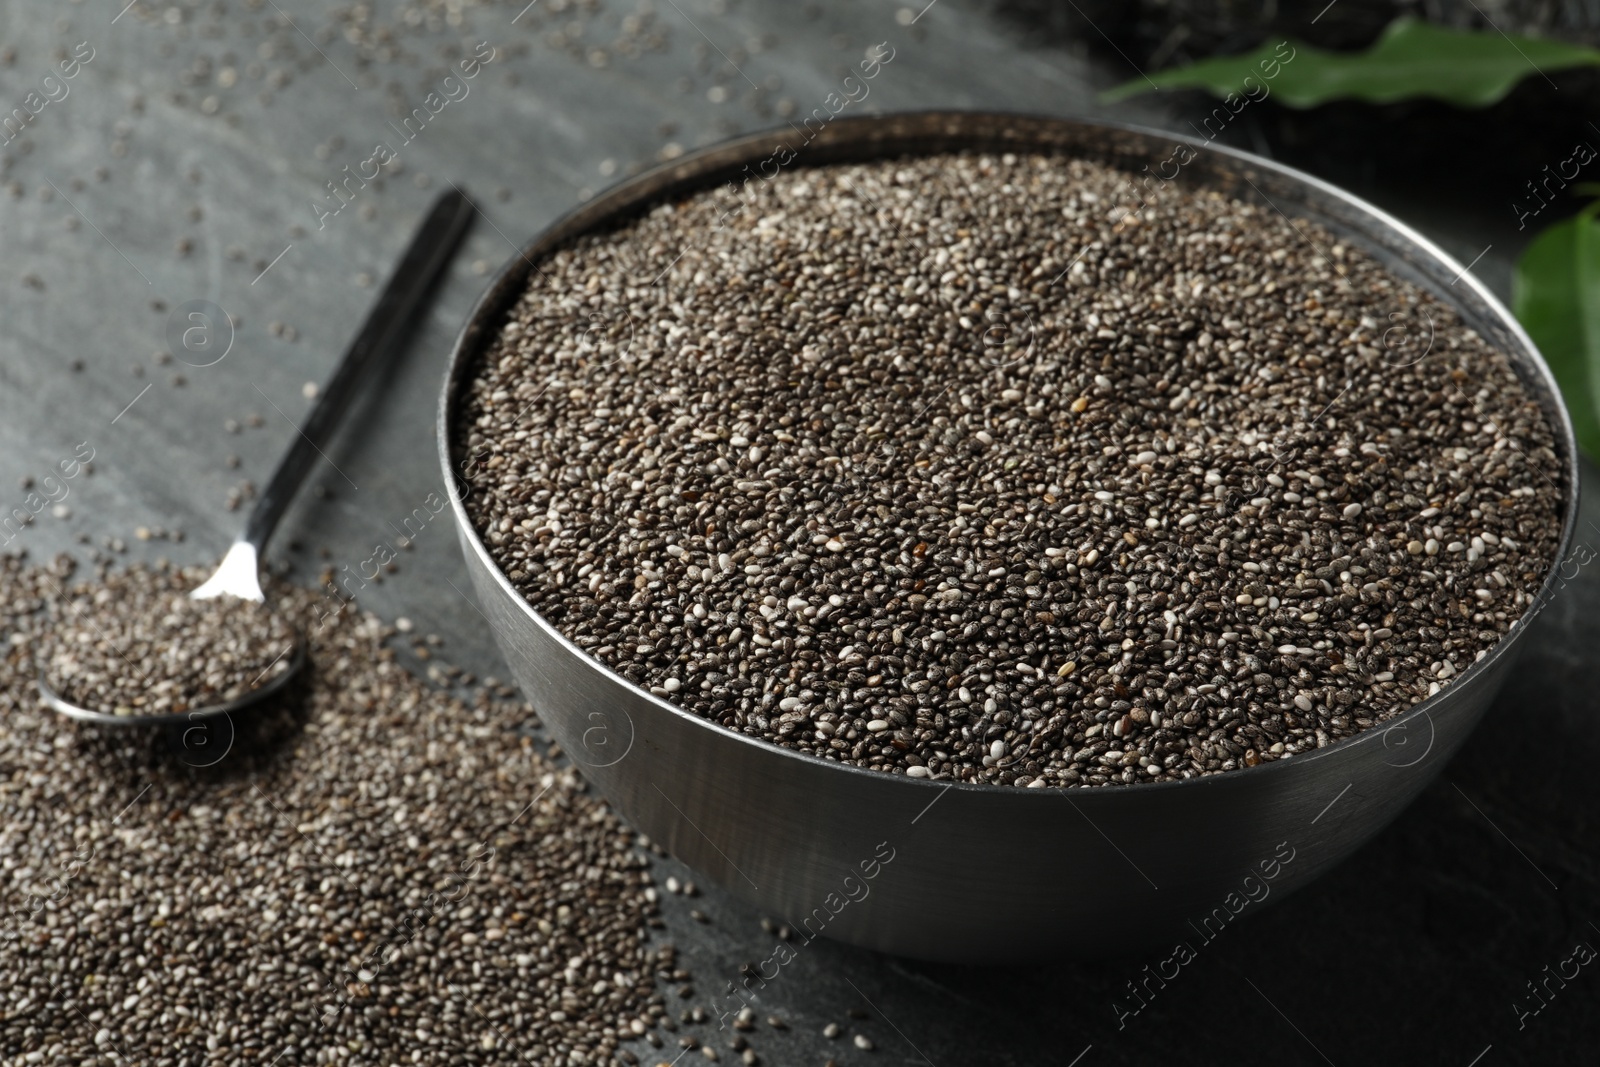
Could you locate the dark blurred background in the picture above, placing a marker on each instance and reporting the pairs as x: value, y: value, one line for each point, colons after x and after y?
x: 1442, y: 157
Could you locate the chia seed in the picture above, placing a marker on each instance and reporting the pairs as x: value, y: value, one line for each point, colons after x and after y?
x: 135, y: 643
x: 367, y: 867
x: 953, y: 467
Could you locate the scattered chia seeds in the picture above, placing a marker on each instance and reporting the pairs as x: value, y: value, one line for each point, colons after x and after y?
x: 375, y: 872
x: 951, y: 467
x: 138, y: 644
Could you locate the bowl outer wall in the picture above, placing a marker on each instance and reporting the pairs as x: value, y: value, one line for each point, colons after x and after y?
x: 980, y: 873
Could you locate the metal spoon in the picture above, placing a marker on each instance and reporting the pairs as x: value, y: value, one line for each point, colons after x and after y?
x: 381, y: 336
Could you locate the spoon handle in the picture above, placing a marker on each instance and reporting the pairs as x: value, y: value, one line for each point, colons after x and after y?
x: 381, y: 335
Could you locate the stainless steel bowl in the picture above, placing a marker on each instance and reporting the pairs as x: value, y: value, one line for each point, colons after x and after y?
x: 973, y: 872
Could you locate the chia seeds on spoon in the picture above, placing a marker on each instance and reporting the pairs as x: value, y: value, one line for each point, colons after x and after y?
x: 374, y: 872
x: 952, y: 467
x: 138, y: 644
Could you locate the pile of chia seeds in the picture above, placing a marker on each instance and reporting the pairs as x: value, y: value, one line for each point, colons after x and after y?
x: 361, y: 870
x: 136, y: 643
x: 959, y: 467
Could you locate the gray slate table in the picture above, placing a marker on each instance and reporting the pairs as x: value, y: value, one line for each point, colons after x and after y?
x: 187, y: 162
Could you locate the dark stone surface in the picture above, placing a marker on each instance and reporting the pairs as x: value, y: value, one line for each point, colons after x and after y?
x: 1417, y: 950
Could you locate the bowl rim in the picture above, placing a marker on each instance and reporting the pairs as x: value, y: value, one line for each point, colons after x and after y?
x: 696, y: 169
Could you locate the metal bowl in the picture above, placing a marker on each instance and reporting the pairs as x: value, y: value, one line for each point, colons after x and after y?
x: 983, y: 873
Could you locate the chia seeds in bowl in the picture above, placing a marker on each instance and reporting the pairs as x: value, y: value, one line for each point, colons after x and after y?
x: 954, y: 467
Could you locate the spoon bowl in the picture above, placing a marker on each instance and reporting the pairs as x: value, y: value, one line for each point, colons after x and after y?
x: 56, y: 702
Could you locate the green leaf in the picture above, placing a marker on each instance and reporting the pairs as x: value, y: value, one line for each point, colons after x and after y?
x: 1556, y: 296
x: 1412, y: 59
